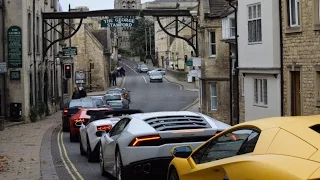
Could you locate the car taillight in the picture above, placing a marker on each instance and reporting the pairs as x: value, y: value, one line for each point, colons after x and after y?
x: 106, y: 128
x: 139, y: 141
x: 65, y: 112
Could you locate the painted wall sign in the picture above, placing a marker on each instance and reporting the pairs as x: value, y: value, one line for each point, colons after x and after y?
x: 14, y: 47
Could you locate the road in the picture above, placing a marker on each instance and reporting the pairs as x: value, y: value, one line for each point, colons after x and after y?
x: 148, y: 97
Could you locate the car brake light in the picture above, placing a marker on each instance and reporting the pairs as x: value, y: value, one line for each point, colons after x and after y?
x: 65, y: 112
x: 137, y: 141
x: 106, y: 128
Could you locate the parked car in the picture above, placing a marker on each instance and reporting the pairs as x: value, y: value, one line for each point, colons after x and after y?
x: 155, y: 76
x: 161, y: 70
x: 100, y: 122
x: 72, y: 107
x: 273, y: 148
x: 117, y: 101
x: 138, y: 146
x: 143, y: 68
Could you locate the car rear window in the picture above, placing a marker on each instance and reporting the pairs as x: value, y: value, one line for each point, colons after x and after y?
x: 85, y: 104
x: 155, y: 73
x: 112, y: 97
x: 316, y: 128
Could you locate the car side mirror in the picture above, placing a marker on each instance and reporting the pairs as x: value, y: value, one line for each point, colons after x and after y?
x: 181, y: 151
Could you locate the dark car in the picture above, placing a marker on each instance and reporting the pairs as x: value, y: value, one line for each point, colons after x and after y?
x: 72, y: 107
x: 117, y: 101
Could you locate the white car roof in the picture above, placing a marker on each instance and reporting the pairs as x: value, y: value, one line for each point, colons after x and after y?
x: 163, y: 113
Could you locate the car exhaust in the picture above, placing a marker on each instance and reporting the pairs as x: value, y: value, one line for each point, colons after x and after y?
x: 147, y: 168
x: 137, y: 169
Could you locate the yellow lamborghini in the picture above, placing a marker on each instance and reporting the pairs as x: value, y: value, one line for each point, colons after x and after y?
x: 282, y: 148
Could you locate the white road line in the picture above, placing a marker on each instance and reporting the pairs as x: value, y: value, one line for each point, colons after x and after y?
x: 128, y: 67
x: 144, y: 79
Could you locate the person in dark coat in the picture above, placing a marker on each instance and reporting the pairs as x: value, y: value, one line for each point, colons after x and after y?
x: 82, y: 93
x: 110, y: 78
x: 75, y: 94
x: 114, y: 79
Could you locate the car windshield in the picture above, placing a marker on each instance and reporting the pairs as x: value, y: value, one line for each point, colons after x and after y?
x: 84, y: 104
x: 143, y: 66
x: 112, y: 97
x: 155, y: 73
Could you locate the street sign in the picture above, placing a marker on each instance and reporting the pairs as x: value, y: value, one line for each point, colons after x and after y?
x: 14, y: 47
x: 196, y: 61
x: 69, y: 51
x: 3, y: 67
x: 15, y: 75
x: 189, y: 63
x: 119, y: 22
x: 80, y: 77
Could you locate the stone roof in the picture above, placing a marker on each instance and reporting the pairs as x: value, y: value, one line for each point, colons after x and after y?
x: 102, y: 37
x: 217, y: 8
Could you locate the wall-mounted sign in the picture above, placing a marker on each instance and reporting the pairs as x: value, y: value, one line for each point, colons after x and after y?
x: 119, y: 22
x: 15, y: 75
x: 69, y: 51
x: 80, y: 77
x: 14, y: 47
x: 196, y: 61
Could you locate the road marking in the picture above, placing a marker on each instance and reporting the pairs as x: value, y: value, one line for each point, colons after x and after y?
x: 62, y: 158
x: 66, y: 155
x: 144, y: 79
x: 128, y: 67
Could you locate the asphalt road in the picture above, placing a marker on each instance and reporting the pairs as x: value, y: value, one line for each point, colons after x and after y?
x: 148, y: 97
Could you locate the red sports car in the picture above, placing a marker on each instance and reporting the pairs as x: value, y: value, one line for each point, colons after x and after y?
x: 82, y: 117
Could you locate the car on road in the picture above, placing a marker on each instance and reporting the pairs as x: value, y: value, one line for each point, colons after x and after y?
x: 156, y: 76
x: 161, y: 70
x: 100, y: 101
x: 117, y: 101
x: 143, y: 68
x: 72, y: 107
x: 286, y: 148
x: 100, y: 121
x: 80, y: 117
x: 123, y: 91
x: 139, y: 145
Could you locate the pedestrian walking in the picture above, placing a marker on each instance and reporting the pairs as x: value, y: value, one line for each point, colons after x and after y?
x: 75, y: 94
x: 82, y: 93
x: 114, y: 79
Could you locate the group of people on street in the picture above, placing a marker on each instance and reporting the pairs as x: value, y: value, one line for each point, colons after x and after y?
x: 79, y: 93
x: 118, y: 72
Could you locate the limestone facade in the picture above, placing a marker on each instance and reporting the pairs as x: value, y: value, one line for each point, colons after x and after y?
x: 47, y: 88
x: 214, y: 81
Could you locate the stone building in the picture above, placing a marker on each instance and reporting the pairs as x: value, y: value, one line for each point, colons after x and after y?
x: 123, y: 33
x: 33, y: 66
x: 301, y: 65
x: 214, y: 81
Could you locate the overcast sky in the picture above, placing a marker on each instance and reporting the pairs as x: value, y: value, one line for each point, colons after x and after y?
x: 92, y: 4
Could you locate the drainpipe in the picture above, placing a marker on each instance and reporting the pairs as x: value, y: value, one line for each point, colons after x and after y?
x: 34, y: 55
x: 230, y: 87
x: 236, y: 78
x: 281, y: 60
x: 4, y: 57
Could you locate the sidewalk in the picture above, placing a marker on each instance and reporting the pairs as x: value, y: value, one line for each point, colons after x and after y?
x: 120, y: 83
x: 21, y: 146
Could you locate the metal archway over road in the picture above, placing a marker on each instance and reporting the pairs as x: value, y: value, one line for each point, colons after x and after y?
x: 158, y: 13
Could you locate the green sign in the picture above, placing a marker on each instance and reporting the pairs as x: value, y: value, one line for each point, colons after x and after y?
x: 14, y: 47
x: 189, y: 63
x: 15, y: 75
x: 69, y: 51
x: 119, y: 22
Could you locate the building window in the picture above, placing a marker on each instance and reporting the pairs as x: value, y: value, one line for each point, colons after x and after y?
x: 213, y: 94
x: 294, y: 13
x: 212, y: 44
x: 232, y: 26
x: 254, y: 23
x: 37, y: 35
x: 261, y: 92
x: 29, y: 33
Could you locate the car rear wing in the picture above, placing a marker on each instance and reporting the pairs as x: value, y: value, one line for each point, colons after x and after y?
x: 103, y: 114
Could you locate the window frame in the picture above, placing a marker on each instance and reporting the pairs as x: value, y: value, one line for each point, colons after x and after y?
x: 250, y: 19
x: 213, y: 96
x: 212, y: 44
x: 260, y: 87
x: 297, y: 13
x: 207, y: 144
x: 232, y: 28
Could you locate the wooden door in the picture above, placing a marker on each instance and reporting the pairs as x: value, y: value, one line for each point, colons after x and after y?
x: 295, y: 94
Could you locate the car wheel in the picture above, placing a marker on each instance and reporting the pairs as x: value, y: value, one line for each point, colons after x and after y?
x: 73, y: 138
x: 173, y: 174
x: 103, y: 171
x: 93, y: 156
x: 118, y: 166
x: 82, y: 152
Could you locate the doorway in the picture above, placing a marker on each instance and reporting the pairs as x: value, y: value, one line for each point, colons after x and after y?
x: 295, y: 93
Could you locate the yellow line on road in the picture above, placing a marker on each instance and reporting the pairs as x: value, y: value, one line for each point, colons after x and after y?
x: 62, y: 158
x: 69, y: 161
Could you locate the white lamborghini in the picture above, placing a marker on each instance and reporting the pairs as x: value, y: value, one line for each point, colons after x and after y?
x: 139, y: 145
x: 100, y: 122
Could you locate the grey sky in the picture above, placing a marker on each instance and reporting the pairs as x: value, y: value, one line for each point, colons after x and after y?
x: 92, y: 4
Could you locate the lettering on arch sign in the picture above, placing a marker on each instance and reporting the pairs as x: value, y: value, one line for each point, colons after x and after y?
x: 125, y: 22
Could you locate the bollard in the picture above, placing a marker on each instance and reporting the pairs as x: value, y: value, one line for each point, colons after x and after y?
x: 2, y: 123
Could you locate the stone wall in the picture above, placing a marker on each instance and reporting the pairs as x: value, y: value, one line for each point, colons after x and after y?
x: 179, y: 75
